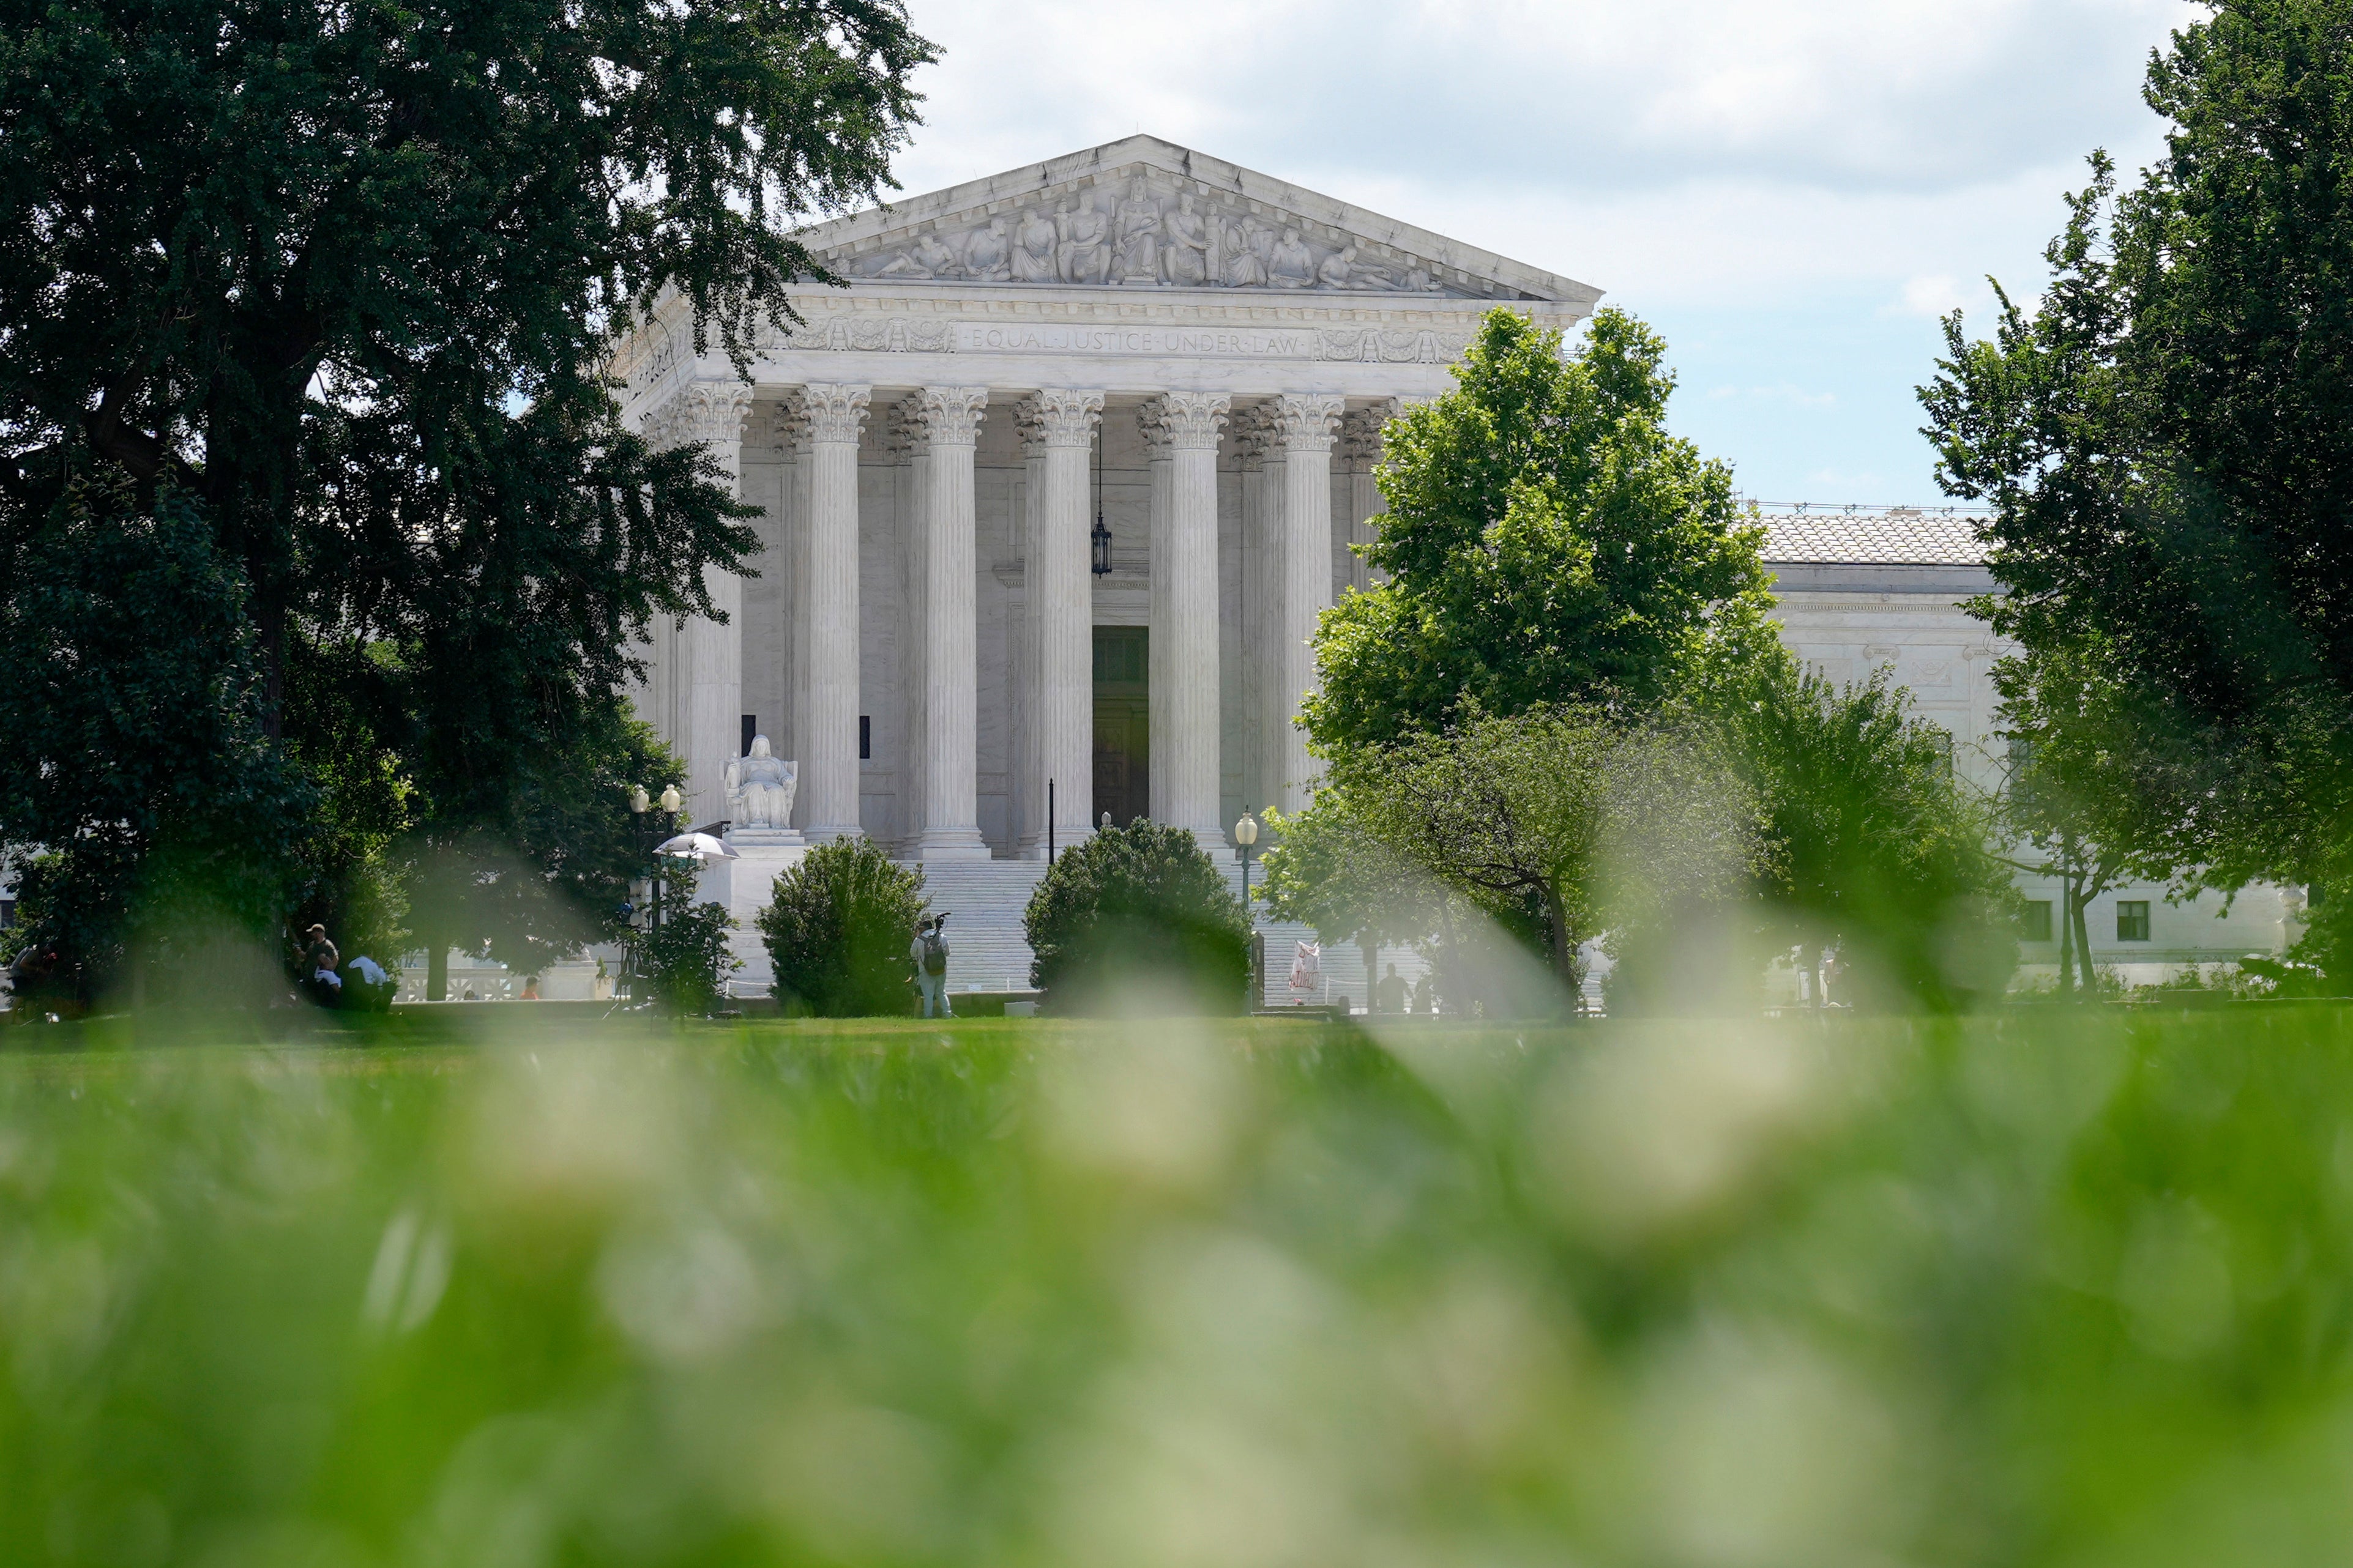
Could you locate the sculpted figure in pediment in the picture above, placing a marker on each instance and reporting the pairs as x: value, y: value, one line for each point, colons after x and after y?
x: 1186, y: 259
x: 1341, y: 269
x: 1084, y: 255
x: 1138, y: 242
x: 1247, y: 244
x: 984, y: 254
x: 1033, y: 250
x: 1293, y: 265
x: 931, y: 258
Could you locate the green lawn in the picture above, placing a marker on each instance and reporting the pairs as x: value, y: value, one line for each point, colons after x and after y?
x: 486, y: 1287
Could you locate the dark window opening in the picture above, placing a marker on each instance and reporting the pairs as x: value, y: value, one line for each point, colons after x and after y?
x: 2132, y: 919
x: 2034, y: 923
x: 751, y: 728
x: 7, y: 914
x: 866, y: 737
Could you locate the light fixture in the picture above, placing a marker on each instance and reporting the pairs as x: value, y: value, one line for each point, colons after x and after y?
x: 1100, y: 537
x: 639, y: 802
x: 1246, y: 831
x: 670, y: 799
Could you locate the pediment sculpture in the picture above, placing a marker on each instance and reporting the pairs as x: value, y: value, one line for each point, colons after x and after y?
x: 1129, y: 233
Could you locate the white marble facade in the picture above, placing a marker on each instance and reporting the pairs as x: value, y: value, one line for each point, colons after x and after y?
x: 1198, y: 354
x: 1203, y: 357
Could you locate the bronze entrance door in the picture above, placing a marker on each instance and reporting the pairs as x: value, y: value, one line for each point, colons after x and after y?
x: 1122, y: 723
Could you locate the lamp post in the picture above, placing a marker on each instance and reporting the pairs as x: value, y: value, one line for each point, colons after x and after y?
x: 1245, y: 835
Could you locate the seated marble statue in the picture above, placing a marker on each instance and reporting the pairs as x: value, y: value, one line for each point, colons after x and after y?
x: 1293, y: 265
x: 985, y: 260
x: 1033, y: 250
x: 760, y: 790
x: 1244, y: 269
x: 1186, y: 259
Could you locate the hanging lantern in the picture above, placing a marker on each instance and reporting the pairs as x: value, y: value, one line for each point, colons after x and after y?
x: 1101, y: 538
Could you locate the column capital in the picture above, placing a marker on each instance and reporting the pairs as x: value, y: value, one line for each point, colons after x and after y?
x: 789, y: 425
x: 1183, y: 421
x: 1253, y: 431
x: 835, y: 410
x: 1303, y: 421
x: 944, y: 415
x: 1360, y: 431
x: 1059, y: 417
x: 704, y: 412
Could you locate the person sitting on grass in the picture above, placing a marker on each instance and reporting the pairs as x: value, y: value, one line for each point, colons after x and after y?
x: 319, y: 965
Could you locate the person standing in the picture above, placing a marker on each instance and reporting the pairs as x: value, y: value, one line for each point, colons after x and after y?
x: 1390, y: 996
x: 930, y: 952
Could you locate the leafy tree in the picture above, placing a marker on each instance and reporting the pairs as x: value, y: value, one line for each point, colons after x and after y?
x: 1139, y: 903
x: 338, y: 284
x: 839, y: 928
x: 1546, y: 543
x: 136, y: 749
x: 686, y: 959
x: 1573, y: 819
x: 2102, y: 788
x: 1872, y: 841
x: 532, y: 875
x: 2166, y: 441
x: 1328, y: 870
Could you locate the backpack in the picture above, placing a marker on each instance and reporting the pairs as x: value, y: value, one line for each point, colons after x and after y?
x: 936, y: 955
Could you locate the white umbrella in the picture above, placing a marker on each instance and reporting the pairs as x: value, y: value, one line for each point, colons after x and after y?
x: 687, y: 845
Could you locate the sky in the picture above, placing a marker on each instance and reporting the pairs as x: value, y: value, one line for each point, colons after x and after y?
x: 1791, y: 191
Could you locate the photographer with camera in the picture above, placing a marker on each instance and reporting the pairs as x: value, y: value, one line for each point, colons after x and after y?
x: 930, y: 952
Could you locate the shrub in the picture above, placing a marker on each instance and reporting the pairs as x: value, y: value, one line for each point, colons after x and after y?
x: 1138, y: 903
x: 839, y: 928
x: 687, y: 958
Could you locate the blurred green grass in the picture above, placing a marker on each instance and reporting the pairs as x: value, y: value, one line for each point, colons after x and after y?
x: 472, y: 1287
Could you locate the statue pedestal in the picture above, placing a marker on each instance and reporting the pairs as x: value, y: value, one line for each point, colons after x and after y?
x: 744, y: 886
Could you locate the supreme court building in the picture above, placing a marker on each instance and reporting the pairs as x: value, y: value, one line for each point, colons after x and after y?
x: 1053, y: 491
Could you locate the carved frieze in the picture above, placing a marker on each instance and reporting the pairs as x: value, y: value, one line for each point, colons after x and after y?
x: 1146, y: 228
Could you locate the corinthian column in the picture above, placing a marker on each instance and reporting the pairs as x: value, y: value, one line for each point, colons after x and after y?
x: 1360, y: 448
x: 1181, y: 430
x: 706, y: 720
x: 945, y: 422
x: 825, y: 611
x: 1057, y: 430
x: 1304, y: 424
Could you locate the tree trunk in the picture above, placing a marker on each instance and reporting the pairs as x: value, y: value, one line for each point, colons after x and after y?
x: 2066, y: 936
x: 437, y: 967
x: 2083, y: 946
x: 1564, y: 943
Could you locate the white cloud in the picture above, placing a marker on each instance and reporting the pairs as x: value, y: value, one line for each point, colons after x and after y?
x: 1857, y: 164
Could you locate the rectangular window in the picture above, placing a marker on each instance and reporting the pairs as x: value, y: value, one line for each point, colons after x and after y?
x: 7, y: 913
x: 2132, y: 919
x: 2034, y: 923
x: 865, y: 737
x: 751, y: 728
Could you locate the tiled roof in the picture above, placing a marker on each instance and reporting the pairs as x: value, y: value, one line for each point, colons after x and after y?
x: 1871, y: 536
